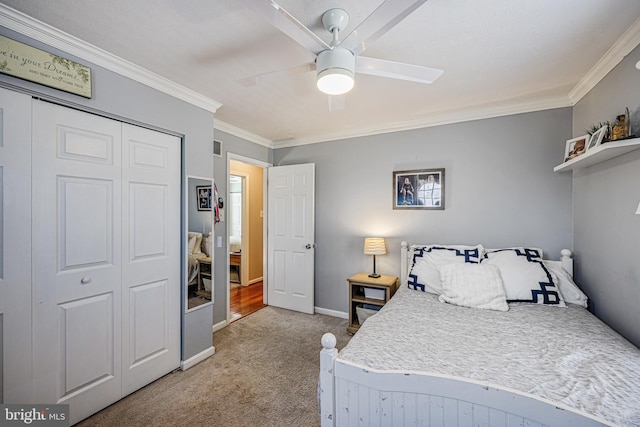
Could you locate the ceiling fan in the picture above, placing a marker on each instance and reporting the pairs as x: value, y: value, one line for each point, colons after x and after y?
x: 337, y: 62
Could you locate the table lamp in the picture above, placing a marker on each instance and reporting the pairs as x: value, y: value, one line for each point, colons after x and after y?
x: 374, y: 246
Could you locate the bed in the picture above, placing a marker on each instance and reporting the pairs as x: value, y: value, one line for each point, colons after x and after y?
x: 199, y: 247
x: 438, y: 354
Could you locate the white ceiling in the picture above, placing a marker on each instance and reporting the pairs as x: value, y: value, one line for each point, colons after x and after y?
x: 498, y: 57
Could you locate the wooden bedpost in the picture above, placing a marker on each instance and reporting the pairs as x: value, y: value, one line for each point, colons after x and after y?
x: 327, y: 395
x: 567, y: 260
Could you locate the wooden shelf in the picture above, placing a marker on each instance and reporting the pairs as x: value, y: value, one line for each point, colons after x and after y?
x: 603, y: 152
x: 357, y: 283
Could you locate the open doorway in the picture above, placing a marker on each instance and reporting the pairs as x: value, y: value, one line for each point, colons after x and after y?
x: 246, y: 237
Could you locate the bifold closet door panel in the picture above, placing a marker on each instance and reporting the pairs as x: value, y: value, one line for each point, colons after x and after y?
x: 77, y: 292
x: 15, y: 247
x: 151, y: 256
x: 106, y: 290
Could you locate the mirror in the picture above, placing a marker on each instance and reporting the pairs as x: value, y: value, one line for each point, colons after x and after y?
x: 199, y: 269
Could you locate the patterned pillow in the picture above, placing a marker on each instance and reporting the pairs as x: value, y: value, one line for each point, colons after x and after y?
x: 525, y: 276
x: 473, y: 285
x: 569, y: 290
x: 424, y: 260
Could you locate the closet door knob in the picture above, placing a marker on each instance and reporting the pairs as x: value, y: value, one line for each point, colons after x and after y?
x: 85, y: 280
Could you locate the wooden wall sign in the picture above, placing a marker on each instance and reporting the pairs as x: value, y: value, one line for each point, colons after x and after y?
x: 28, y: 63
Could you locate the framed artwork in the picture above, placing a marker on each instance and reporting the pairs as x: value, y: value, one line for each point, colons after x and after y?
x: 203, y: 194
x: 575, y: 147
x: 418, y: 189
x: 597, y: 137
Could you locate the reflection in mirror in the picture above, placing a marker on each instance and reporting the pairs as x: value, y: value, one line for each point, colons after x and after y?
x: 199, y: 281
x: 235, y: 227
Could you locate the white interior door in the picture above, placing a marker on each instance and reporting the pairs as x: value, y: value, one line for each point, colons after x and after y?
x: 150, y: 256
x: 77, y: 270
x: 15, y: 247
x: 291, y: 237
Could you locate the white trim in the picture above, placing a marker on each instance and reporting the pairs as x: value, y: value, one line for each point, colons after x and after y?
x: 468, y: 114
x: 194, y: 360
x: 621, y: 48
x: 37, y: 30
x: 333, y: 313
x: 241, y: 133
x: 220, y: 325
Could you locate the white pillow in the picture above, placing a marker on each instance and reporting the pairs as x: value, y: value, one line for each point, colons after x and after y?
x: 206, y: 244
x: 424, y: 260
x: 569, y: 290
x: 195, y: 240
x: 525, y: 276
x: 473, y: 285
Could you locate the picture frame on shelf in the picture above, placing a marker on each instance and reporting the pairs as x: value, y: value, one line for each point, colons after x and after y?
x: 204, y: 197
x: 597, y: 137
x: 575, y: 147
x: 418, y: 189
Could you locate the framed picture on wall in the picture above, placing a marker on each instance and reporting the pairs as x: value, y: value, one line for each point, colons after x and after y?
x: 203, y: 194
x: 418, y: 189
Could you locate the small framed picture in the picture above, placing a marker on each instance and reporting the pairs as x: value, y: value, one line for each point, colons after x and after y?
x: 597, y: 137
x: 575, y: 147
x: 418, y: 189
x: 203, y: 194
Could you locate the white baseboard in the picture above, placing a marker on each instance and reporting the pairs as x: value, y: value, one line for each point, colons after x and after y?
x: 219, y: 325
x: 334, y: 313
x: 194, y: 360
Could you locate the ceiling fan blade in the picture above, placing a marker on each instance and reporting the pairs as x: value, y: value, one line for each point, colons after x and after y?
x: 396, y: 70
x: 381, y: 20
x: 253, y: 80
x: 285, y: 22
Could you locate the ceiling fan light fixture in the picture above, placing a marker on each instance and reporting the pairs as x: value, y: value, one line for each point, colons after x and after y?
x: 335, y: 71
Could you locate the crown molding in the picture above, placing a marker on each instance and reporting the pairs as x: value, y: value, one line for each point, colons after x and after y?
x: 241, y: 133
x: 465, y: 115
x: 37, y: 30
x: 621, y: 48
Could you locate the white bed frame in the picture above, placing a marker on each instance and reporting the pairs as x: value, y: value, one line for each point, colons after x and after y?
x: 352, y: 395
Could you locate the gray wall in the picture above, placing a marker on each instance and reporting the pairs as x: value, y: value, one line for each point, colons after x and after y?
x: 500, y: 191
x: 239, y: 146
x: 121, y: 98
x: 606, y: 196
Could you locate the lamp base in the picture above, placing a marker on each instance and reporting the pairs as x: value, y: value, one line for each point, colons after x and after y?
x: 374, y: 275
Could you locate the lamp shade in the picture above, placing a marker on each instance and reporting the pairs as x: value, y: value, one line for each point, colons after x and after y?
x: 374, y: 246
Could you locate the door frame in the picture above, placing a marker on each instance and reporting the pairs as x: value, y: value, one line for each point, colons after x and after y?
x: 265, y: 167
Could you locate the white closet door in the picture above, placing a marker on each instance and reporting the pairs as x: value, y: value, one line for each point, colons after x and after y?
x: 106, y: 258
x: 15, y: 247
x: 151, y: 256
x: 76, y: 255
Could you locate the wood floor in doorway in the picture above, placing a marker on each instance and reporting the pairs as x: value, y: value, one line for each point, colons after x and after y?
x: 244, y: 300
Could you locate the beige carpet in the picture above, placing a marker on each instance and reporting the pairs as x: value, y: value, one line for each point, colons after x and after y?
x: 264, y: 373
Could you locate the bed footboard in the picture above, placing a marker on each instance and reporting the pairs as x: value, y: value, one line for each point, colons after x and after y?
x: 352, y: 396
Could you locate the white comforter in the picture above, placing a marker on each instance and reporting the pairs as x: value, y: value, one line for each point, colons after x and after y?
x: 561, y: 354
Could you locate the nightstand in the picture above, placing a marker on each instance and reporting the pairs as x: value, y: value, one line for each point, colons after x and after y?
x: 368, y: 290
x: 204, y: 272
